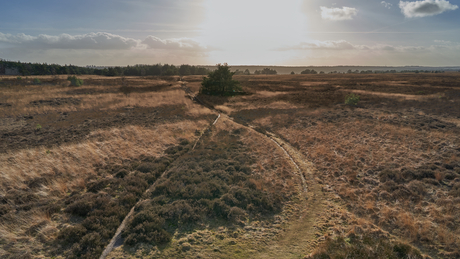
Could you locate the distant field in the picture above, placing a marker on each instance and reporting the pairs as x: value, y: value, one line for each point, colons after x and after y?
x: 382, y: 178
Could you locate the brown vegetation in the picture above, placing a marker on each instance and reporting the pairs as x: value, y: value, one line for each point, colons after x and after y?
x: 74, y: 160
x: 394, y: 160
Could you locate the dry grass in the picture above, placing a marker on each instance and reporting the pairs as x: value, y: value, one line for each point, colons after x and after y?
x: 75, y: 161
x: 66, y: 168
x: 97, y: 93
x: 350, y: 153
x: 394, y: 161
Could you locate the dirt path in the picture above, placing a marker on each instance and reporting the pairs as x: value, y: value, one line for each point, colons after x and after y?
x: 299, y: 239
x: 301, y: 235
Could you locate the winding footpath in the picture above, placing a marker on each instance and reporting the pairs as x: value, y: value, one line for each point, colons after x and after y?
x: 299, y: 238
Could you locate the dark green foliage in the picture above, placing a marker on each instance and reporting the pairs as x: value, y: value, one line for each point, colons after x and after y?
x: 309, y: 72
x: 220, y: 82
x: 74, y: 81
x: 364, y: 246
x: 37, y: 81
x: 352, y: 99
x: 137, y: 70
x: 266, y: 71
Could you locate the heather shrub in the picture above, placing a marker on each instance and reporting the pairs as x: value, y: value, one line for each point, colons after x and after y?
x: 71, y: 235
x: 364, y: 246
x: 108, y: 200
x: 211, y: 182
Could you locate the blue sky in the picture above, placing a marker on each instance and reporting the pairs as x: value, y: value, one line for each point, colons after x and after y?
x: 265, y: 32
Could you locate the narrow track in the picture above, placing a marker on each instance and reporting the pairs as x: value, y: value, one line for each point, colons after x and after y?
x: 299, y: 238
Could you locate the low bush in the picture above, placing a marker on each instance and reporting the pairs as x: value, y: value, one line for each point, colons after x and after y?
x: 37, y: 81
x: 74, y: 81
x: 352, y: 99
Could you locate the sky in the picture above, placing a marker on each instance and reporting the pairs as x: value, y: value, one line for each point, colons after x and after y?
x: 237, y: 32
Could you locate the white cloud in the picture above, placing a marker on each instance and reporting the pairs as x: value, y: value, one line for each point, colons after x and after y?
x: 338, y: 14
x: 99, y: 40
x: 153, y: 42
x: 425, y: 8
x: 386, y: 4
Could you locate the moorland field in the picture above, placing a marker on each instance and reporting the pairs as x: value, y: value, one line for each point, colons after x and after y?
x: 288, y: 170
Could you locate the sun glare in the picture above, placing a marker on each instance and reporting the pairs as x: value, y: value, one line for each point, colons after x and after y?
x: 247, y: 32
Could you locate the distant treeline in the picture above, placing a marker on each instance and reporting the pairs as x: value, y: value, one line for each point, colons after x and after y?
x: 137, y: 70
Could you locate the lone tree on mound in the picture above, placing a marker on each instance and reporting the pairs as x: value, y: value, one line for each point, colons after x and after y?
x: 220, y: 82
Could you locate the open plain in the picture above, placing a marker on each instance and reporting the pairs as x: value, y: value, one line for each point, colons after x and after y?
x: 287, y: 170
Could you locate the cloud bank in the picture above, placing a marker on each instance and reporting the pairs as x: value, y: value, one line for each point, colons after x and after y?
x: 153, y: 42
x: 98, y: 41
x: 425, y: 8
x: 101, y: 48
x: 338, y: 14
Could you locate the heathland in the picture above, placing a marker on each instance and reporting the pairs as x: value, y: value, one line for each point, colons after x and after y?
x: 285, y: 169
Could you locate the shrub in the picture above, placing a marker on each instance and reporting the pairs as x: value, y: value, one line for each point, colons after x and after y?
x: 352, y: 99
x: 71, y: 235
x: 146, y: 167
x: 220, y: 82
x: 74, y: 81
x: 18, y: 78
x: 37, y: 81
x: 364, y: 246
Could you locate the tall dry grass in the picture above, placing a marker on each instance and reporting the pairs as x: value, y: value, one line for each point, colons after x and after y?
x: 76, y: 161
x: 66, y: 169
x: 103, y: 93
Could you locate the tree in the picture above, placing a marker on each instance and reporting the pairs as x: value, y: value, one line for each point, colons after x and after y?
x: 308, y: 71
x: 185, y: 70
x: 246, y: 72
x: 268, y: 71
x: 292, y: 73
x: 238, y: 72
x: 220, y: 82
